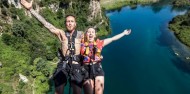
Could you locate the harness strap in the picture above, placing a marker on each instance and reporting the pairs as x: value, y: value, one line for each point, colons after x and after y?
x: 93, y: 73
x: 71, y: 42
x: 93, y: 70
x: 71, y: 49
x: 76, y: 58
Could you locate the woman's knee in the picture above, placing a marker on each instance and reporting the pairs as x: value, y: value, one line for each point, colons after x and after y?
x: 100, y: 79
x: 99, y: 85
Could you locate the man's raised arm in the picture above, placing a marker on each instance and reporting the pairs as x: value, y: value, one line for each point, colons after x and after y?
x: 49, y: 26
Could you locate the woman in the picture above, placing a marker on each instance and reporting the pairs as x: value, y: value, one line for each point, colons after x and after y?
x: 91, y: 52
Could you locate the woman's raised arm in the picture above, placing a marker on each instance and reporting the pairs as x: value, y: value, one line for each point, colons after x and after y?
x: 116, y: 37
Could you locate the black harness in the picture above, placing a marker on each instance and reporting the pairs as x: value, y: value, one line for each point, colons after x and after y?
x: 70, y: 57
x: 74, y: 73
x: 92, y: 66
x: 67, y: 60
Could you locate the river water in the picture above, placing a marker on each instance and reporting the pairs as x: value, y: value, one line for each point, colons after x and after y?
x: 148, y: 61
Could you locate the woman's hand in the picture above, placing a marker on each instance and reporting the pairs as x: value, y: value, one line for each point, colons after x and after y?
x: 127, y: 31
x: 26, y: 4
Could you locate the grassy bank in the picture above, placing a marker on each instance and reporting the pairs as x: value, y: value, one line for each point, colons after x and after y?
x: 181, y: 27
x: 114, y: 4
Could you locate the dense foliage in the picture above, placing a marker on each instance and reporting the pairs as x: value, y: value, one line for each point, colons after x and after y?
x: 27, y: 48
x: 181, y: 27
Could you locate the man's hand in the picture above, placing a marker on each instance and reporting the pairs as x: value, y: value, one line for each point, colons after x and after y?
x: 26, y: 4
x: 127, y: 32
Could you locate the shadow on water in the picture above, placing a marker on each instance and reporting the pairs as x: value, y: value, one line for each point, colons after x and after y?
x: 179, y: 50
x: 181, y: 65
x: 114, y: 10
x: 132, y: 7
x: 158, y: 6
x: 156, y: 9
x: 166, y: 37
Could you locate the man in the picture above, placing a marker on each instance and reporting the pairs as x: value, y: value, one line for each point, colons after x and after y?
x: 70, y: 50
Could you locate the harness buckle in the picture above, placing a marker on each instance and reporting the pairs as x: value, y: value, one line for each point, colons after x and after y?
x: 93, y: 63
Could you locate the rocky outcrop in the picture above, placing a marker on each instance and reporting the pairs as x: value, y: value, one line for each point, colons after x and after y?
x: 95, y: 10
x: 54, y: 7
x: 16, y: 3
x: 23, y: 78
x: 9, y: 20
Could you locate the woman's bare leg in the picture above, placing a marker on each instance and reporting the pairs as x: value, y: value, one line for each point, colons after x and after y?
x: 99, y: 85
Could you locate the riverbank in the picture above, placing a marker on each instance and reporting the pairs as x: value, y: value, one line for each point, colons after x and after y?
x: 181, y: 27
x: 114, y: 4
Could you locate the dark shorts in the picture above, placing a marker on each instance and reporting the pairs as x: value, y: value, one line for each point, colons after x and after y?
x: 61, y: 74
x: 77, y: 76
x: 98, y: 71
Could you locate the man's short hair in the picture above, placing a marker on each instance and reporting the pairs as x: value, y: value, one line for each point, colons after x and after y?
x: 71, y: 16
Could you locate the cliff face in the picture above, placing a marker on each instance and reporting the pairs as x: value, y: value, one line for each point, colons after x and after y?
x: 5, y: 13
x: 16, y: 3
x: 95, y: 10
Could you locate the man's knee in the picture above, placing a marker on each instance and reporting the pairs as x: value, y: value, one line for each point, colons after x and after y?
x: 59, y: 89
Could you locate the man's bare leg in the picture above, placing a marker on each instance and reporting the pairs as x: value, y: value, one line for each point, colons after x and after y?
x: 77, y: 89
x: 60, y: 89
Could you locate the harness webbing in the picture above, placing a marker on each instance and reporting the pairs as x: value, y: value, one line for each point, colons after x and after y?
x: 93, y: 51
x: 71, y: 49
x: 93, y: 70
